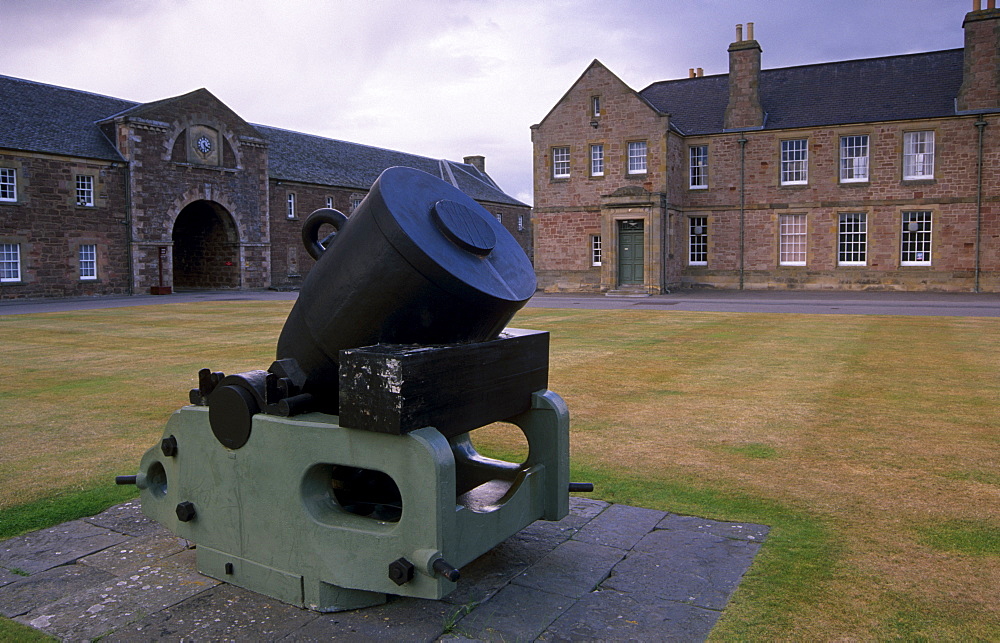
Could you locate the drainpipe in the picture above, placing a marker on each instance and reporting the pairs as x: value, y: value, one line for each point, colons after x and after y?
x: 980, y: 125
x: 742, y: 140
x: 127, y: 174
x: 664, y: 244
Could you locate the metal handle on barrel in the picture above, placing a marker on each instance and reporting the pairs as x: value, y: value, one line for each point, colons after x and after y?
x: 310, y: 230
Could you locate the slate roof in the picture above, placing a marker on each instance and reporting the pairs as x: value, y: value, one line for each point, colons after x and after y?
x: 305, y: 158
x: 854, y: 91
x: 36, y: 117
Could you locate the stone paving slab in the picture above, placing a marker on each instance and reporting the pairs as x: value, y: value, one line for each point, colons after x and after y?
x: 604, y: 572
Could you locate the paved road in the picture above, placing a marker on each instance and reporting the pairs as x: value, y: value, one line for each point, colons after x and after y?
x: 813, y: 303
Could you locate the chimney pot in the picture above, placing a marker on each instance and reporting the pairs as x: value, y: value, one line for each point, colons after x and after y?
x: 977, y: 5
x: 749, y: 31
x: 991, y: 4
x: 701, y: 72
x: 690, y: 72
x: 739, y: 33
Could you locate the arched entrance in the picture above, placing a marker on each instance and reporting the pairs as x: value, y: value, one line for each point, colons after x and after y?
x: 206, y: 248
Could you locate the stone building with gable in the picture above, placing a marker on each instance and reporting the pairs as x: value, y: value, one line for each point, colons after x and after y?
x: 102, y: 196
x: 881, y: 173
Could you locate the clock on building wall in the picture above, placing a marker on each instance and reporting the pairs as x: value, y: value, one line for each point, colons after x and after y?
x: 203, y: 145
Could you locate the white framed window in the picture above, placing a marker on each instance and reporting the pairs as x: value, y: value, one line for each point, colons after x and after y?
x: 520, y: 222
x: 560, y: 162
x: 85, y: 190
x: 595, y: 250
x: 918, y: 155
x: 291, y: 205
x: 792, y: 240
x: 88, y: 262
x: 10, y: 262
x: 698, y: 241
x: 698, y: 164
x: 329, y: 202
x: 597, y: 160
x: 854, y: 158
x: 637, y: 157
x: 499, y: 216
x: 915, y: 239
x: 8, y: 184
x: 355, y: 203
x: 795, y: 162
x: 595, y: 105
x: 852, y: 239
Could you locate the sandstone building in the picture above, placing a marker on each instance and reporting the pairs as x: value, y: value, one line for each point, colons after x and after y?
x: 101, y: 196
x: 881, y: 173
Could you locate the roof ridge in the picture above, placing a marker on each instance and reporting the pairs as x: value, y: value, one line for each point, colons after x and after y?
x: 806, y: 65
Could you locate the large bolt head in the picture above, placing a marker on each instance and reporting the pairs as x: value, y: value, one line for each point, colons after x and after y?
x: 169, y: 446
x: 400, y: 571
x: 185, y: 511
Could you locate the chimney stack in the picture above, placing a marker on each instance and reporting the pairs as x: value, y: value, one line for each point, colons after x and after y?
x: 744, y: 110
x: 478, y: 162
x: 981, y: 70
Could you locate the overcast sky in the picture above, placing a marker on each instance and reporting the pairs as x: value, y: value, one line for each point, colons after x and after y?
x: 439, y: 78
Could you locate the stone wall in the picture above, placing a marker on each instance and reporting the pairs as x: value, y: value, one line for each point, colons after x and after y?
x: 49, y: 227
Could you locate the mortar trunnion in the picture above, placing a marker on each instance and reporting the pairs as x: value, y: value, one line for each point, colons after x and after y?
x: 346, y: 471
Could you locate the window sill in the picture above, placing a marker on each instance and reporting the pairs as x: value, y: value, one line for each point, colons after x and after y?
x: 855, y: 184
x: 698, y: 188
x: 793, y: 186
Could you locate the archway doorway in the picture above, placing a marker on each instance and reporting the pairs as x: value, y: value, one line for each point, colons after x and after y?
x: 206, y: 248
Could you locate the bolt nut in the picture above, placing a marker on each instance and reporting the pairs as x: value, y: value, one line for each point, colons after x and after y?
x: 185, y: 511
x: 169, y: 446
x: 401, y: 571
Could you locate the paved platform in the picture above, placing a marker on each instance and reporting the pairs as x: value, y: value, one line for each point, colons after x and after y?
x: 606, y: 571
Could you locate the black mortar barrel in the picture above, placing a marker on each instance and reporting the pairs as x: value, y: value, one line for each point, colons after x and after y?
x: 418, y: 262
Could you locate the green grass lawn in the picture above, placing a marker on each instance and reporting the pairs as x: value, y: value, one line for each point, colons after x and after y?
x: 870, y: 444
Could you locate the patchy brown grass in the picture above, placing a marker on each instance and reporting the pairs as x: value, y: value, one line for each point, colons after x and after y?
x: 870, y: 443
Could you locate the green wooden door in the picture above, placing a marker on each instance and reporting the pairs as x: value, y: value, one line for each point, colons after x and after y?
x: 630, y: 269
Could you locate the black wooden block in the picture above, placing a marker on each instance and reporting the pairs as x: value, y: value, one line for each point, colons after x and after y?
x: 391, y: 388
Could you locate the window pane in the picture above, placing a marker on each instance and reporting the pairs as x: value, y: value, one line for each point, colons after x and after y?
x: 918, y: 155
x: 792, y: 240
x: 795, y: 161
x: 853, y: 158
x: 8, y: 184
x: 637, y: 158
x: 291, y: 205
x: 85, y: 190
x: 853, y: 239
x: 88, y: 262
x: 597, y: 160
x: 560, y: 162
x: 698, y: 241
x: 10, y: 262
x: 699, y: 166
x: 916, y: 239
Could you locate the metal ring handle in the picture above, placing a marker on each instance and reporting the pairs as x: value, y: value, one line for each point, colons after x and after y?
x: 310, y: 230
